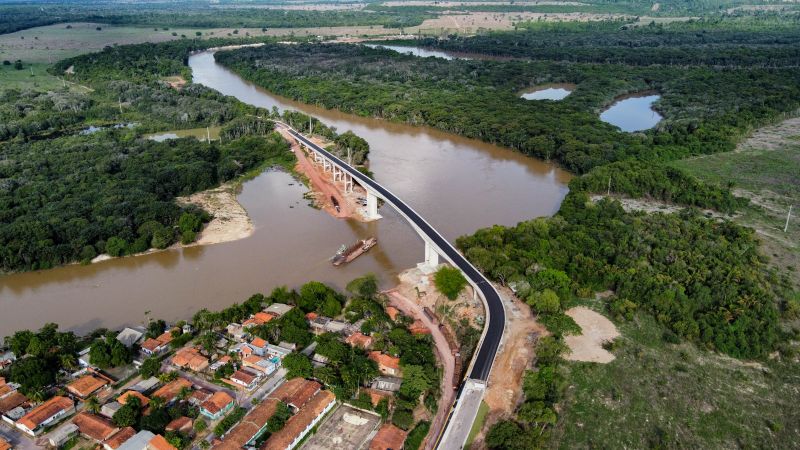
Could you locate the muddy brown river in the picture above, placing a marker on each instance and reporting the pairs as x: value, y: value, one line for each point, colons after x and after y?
x: 457, y: 184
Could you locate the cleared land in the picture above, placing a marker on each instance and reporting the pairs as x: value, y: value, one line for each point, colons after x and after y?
x: 596, y: 329
x: 345, y: 428
x: 766, y: 169
x: 659, y: 395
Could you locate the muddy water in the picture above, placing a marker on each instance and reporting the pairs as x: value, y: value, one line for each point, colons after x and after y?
x: 458, y: 184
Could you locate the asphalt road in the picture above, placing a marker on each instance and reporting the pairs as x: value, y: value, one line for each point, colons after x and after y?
x: 494, y: 331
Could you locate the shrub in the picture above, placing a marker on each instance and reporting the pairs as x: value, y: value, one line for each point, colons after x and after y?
x: 449, y: 281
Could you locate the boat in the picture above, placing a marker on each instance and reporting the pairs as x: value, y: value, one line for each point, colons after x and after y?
x: 335, y: 203
x: 347, y: 254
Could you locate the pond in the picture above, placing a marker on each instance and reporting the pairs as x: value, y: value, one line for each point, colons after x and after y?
x: 633, y: 113
x: 416, y: 51
x: 549, y: 92
x: 199, y: 133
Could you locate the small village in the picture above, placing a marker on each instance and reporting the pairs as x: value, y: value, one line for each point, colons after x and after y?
x: 262, y: 374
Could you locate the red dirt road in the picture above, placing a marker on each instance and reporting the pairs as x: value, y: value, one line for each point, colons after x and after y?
x: 410, y: 308
x: 321, y: 182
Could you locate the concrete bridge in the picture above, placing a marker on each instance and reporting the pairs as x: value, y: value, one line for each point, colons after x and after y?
x: 470, y: 394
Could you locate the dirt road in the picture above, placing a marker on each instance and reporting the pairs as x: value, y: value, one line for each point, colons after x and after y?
x: 321, y: 183
x: 411, y: 308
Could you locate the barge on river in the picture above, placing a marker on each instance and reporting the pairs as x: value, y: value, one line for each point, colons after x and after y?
x: 347, y: 254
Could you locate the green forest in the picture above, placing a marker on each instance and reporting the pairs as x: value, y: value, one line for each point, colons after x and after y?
x: 77, y: 178
x: 707, y: 109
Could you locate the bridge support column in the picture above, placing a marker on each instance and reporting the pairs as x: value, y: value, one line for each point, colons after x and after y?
x: 326, y: 164
x: 372, y: 206
x: 348, y: 182
x: 431, y: 259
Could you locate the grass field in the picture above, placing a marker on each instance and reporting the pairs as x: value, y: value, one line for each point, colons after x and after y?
x: 765, y: 169
x: 11, y: 78
x: 659, y: 395
x: 480, y: 419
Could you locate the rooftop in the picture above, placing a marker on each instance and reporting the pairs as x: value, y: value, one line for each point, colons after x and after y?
x: 251, y: 424
x: 129, y: 336
x: 258, y: 342
x: 171, y: 390
x: 296, y: 392
x: 245, y: 376
x: 217, y: 402
x: 159, y: 443
x: 278, y: 309
x: 86, y: 385
x: 120, y: 438
x: 358, y: 339
x: 138, y: 441
x: 122, y: 399
x: 389, y: 437
x: 4, y: 444
x: 298, y: 423
x: 11, y: 401
x: 46, y: 410
x: 180, y: 424
x: 385, y: 360
x: 96, y: 427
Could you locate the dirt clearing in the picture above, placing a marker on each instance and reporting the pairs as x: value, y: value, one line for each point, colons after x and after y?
x: 597, y: 329
x: 230, y: 222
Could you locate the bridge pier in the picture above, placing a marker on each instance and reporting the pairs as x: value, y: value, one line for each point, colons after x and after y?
x: 431, y: 259
x: 326, y: 164
x: 372, y: 206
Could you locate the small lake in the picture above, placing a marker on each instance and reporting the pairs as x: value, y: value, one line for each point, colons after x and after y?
x: 200, y: 134
x: 633, y: 113
x: 549, y: 92
x: 416, y: 51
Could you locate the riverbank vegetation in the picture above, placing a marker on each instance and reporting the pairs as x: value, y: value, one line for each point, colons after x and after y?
x: 78, y: 180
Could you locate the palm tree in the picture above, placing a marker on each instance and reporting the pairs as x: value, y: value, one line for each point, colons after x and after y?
x: 37, y: 396
x: 184, y: 393
x: 68, y: 361
x: 92, y: 404
x: 157, y: 402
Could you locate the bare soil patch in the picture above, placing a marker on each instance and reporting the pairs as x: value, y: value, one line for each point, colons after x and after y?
x: 772, y: 137
x: 230, y: 221
x: 597, y: 329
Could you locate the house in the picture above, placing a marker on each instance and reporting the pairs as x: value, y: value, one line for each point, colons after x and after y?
x: 387, y: 364
x: 273, y: 351
x: 236, y: 331
x: 120, y: 438
x: 145, y: 385
x: 4, y: 444
x: 85, y: 386
x: 260, y: 364
x: 10, y: 401
x: 311, y: 316
x: 182, y: 424
x: 152, y: 347
x: 290, y: 346
x: 196, y: 398
x: 219, y: 363
x: 217, y: 406
x: 375, y: 396
x: 245, y: 378
x: 278, y: 309
x: 190, y: 358
x: 129, y: 337
x: 296, y: 392
x: 45, y: 414
x: 109, y: 409
x: 145, y: 440
x: 138, y: 441
x: 84, y: 358
x: 94, y: 427
x: 322, y: 324
x: 296, y: 428
x: 358, y: 339
x: 259, y: 318
x: 244, y: 350
x: 389, y: 437
x: 250, y: 428
x: 61, y: 435
x: 169, y: 392
x: 390, y: 384
x: 123, y: 399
